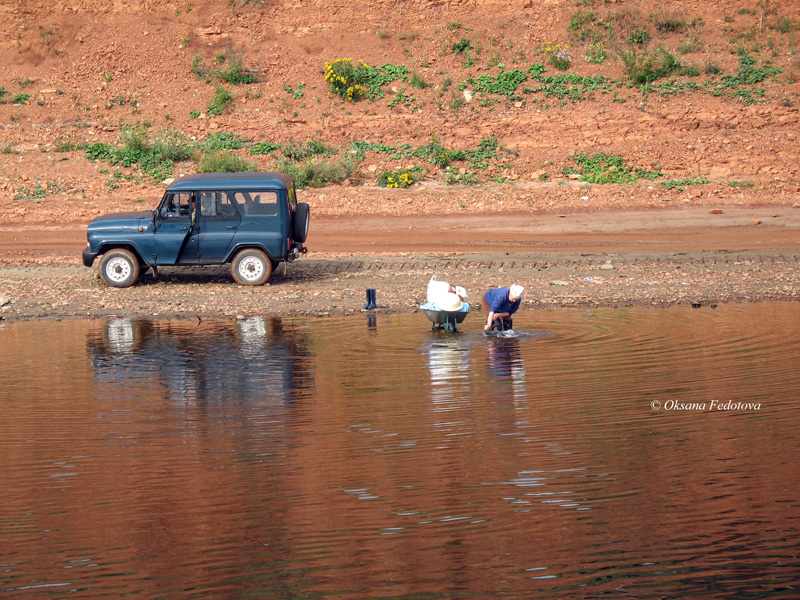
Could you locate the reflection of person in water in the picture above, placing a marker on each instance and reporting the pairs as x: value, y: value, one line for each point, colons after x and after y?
x: 506, y: 369
x: 504, y: 358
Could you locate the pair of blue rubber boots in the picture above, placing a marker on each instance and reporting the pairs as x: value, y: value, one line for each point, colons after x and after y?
x: 370, y: 300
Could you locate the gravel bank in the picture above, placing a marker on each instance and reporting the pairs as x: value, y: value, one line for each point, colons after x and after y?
x: 332, y: 284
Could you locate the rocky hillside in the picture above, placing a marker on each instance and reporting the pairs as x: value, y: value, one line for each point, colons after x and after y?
x: 538, y: 104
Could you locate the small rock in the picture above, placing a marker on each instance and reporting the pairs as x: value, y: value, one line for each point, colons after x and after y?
x: 559, y: 282
x: 715, y: 211
x: 607, y: 267
x: 755, y: 222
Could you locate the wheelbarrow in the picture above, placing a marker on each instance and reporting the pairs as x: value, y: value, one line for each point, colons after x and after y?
x: 445, y: 319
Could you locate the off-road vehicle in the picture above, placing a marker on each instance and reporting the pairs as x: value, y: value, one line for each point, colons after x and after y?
x: 251, y: 220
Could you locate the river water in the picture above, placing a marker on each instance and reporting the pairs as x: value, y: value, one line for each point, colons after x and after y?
x: 634, y: 452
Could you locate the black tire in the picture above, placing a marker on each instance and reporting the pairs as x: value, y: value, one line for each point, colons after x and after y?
x: 300, y: 222
x: 251, y: 267
x: 119, y: 268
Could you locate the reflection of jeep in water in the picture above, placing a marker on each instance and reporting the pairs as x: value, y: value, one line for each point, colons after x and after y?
x: 250, y: 220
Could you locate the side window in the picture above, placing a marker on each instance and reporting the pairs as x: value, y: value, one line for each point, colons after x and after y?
x: 257, y: 204
x: 216, y: 206
x: 176, y: 207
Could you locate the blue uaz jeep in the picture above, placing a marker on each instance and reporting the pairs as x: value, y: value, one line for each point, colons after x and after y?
x: 250, y: 220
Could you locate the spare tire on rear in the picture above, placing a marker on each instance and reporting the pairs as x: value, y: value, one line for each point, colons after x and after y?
x: 300, y: 222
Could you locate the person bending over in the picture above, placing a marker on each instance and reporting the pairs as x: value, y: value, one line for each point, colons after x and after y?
x: 501, y: 303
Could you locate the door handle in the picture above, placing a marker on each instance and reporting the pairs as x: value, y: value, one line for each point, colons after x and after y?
x: 182, y: 228
x: 230, y: 226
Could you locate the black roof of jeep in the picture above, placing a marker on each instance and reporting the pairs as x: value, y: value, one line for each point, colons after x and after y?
x: 228, y: 181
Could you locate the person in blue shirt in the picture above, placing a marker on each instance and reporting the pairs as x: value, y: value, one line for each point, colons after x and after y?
x: 501, y: 303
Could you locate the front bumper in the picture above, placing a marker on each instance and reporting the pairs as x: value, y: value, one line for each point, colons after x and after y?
x: 88, y: 258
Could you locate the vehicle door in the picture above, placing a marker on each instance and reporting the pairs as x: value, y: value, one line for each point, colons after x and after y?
x: 173, y: 225
x: 262, y: 223
x: 216, y: 225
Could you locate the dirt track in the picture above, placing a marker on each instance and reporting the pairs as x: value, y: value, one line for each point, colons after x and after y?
x: 658, y: 257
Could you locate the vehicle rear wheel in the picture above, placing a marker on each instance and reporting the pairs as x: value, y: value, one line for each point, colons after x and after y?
x: 251, y: 267
x: 300, y: 222
x: 119, y: 268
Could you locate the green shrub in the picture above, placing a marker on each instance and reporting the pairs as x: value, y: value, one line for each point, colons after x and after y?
x: 603, y: 168
x: 462, y: 46
x: 749, y: 73
x: 647, y: 67
x: 155, y: 158
x: 221, y: 100
x: 3, y: 92
x: 224, y: 141
x: 312, y: 148
x: 375, y: 77
x: 401, y: 178
x: 198, y: 67
x: 264, y: 148
x: 224, y: 161
x: 578, y: 19
x: 347, y: 80
x: 741, y: 184
x: 20, y: 99
x: 505, y: 83
x: 454, y: 176
x: 688, y: 46
x: 234, y: 73
x: 677, y: 184
x: 667, y: 21
x: 639, y: 36
x: 417, y: 82
x: 560, y: 57
x: 354, y: 82
x: 317, y: 172
x: 596, y: 53
x: 784, y: 24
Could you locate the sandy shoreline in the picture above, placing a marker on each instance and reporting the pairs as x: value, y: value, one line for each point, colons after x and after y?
x: 336, y: 285
x: 611, y: 258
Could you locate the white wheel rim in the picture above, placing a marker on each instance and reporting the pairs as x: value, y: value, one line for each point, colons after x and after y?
x: 251, y: 269
x: 118, y: 270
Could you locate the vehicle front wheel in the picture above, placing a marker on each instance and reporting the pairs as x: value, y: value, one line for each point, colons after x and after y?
x: 251, y: 267
x: 119, y: 268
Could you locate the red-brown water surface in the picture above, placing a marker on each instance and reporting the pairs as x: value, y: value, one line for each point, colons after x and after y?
x: 626, y: 452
